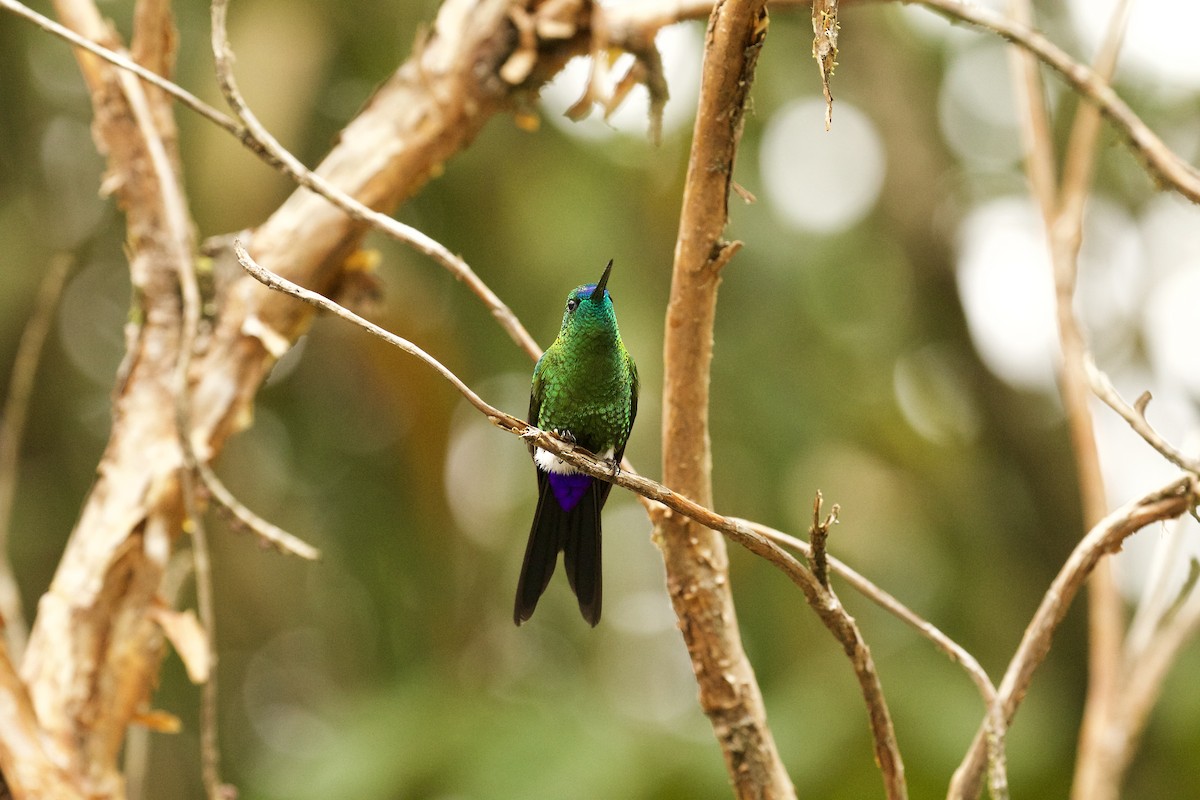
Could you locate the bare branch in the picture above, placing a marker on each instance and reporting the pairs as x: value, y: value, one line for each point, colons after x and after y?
x: 210, y: 750
x: 1167, y: 502
x: 356, y: 210
x: 1164, y: 164
x: 93, y: 651
x: 242, y: 516
x: 1145, y: 674
x: 1036, y: 133
x: 882, y: 598
x: 952, y: 649
x: 1062, y: 214
x: 316, y: 299
x: 12, y: 429
x: 255, y: 138
x: 1080, y: 157
x: 696, y: 560
x: 1156, y: 602
x: 822, y: 600
x: 28, y: 769
x: 1136, y: 417
x: 185, y: 97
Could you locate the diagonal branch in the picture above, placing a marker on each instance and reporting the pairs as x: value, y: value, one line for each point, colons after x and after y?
x: 1167, y: 502
x: 356, y: 210
x: 26, y: 765
x: 1135, y: 415
x: 12, y: 429
x: 955, y: 651
x: 749, y: 535
x: 93, y: 650
x: 1167, y: 167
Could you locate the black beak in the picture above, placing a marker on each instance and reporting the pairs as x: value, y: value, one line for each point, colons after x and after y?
x: 598, y: 293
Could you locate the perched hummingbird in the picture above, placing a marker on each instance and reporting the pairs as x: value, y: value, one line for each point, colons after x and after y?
x: 585, y: 389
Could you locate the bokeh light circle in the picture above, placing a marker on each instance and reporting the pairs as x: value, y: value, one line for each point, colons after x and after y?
x: 818, y: 180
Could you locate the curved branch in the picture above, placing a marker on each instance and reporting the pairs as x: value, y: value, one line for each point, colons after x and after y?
x: 1163, y: 163
x: 1062, y: 204
x: 882, y: 598
x: 952, y: 649
x: 1135, y: 415
x: 821, y: 599
x: 12, y: 431
x: 186, y: 98
x: 252, y: 135
x: 293, y: 168
x: 25, y: 765
x: 1169, y: 501
x: 94, y: 651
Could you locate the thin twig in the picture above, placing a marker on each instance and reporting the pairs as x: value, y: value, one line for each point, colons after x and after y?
x: 210, y: 749
x: 952, y: 649
x: 266, y: 147
x: 1167, y: 502
x: 180, y: 238
x: 281, y: 284
x: 1106, y: 618
x: 1164, y: 164
x: 1062, y: 214
x: 270, y: 533
x: 179, y: 243
x: 1145, y: 675
x: 824, y: 602
x: 1080, y: 157
x: 138, y: 739
x: 185, y: 97
x: 818, y: 535
x: 1155, y: 600
x: 1136, y: 417
x: 12, y: 430
x: 387, y: 225
x: 882, y: 598
x: 1036, y: 133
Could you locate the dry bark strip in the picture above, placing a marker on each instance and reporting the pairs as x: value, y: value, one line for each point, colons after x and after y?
x: 94, y: 652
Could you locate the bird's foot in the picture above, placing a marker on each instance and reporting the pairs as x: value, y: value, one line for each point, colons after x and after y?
x: 615, y: 465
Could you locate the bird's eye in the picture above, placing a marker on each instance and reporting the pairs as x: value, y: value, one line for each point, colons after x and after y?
x: 572, y: 304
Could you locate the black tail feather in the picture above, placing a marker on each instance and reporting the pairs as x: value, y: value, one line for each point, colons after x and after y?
x: 541, y: 553
x: 577, y: 534
x: 581, y: 553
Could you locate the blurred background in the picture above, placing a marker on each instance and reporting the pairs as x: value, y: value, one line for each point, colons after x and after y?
x: 885, y: 336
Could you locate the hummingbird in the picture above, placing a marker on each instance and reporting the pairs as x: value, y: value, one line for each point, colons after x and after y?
x: 585, y: 390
